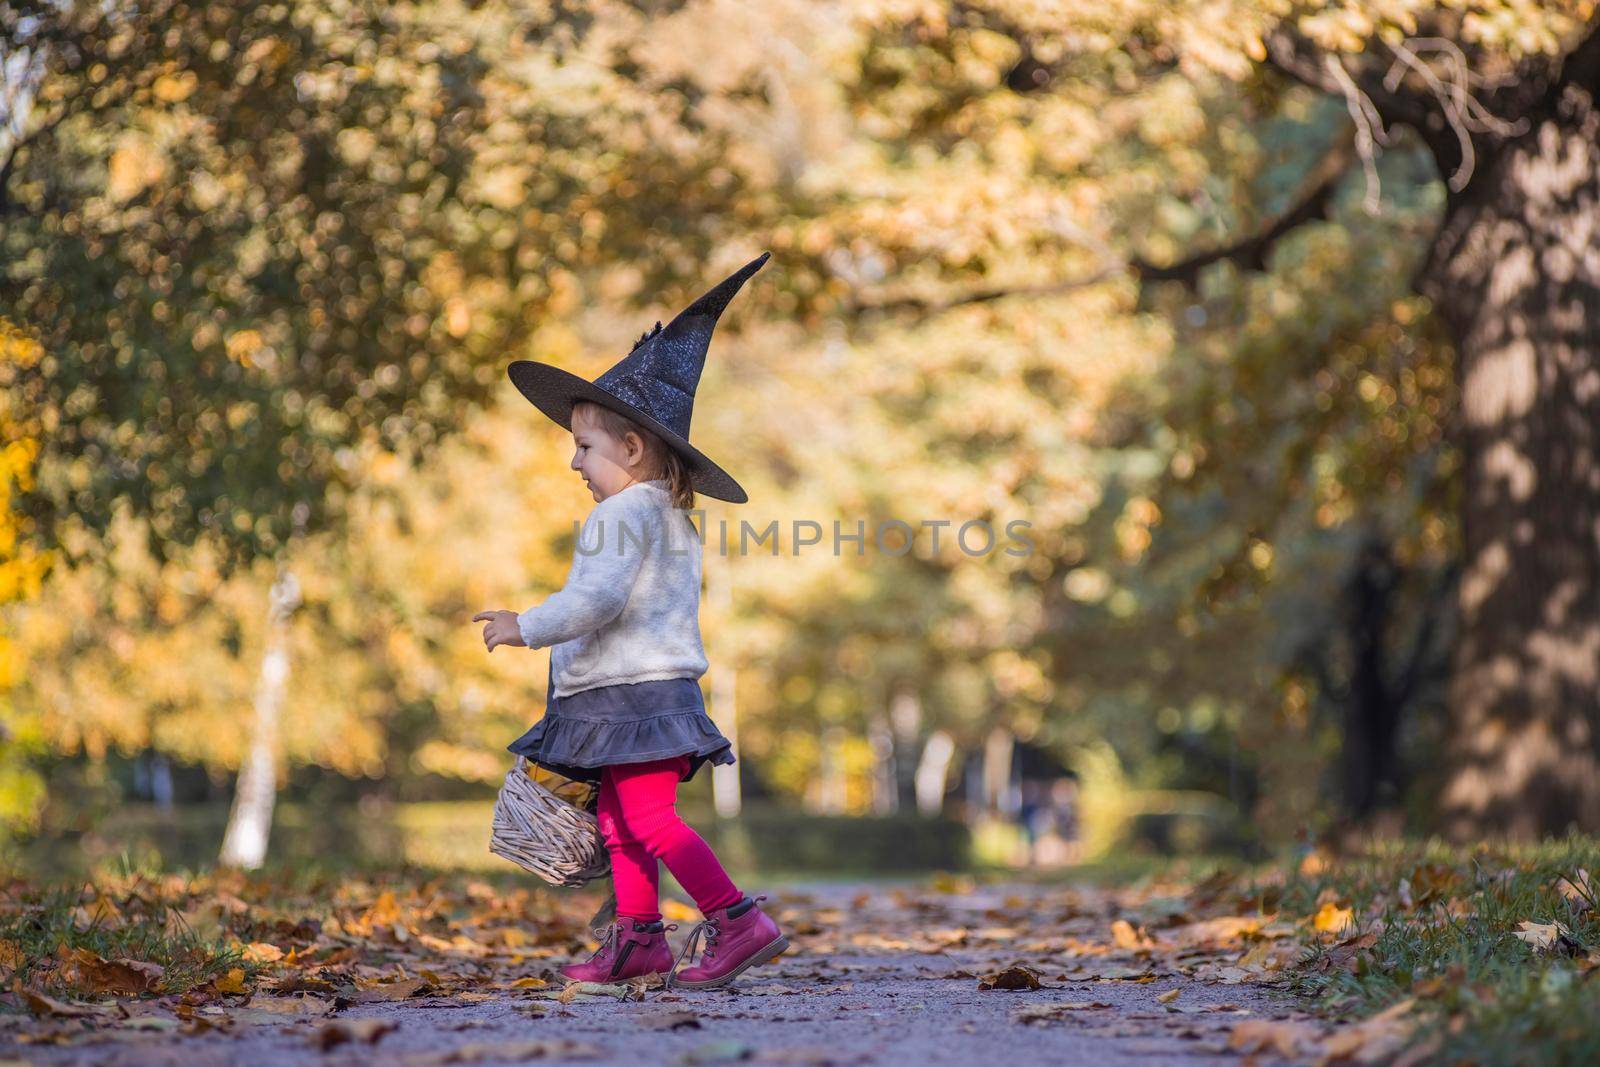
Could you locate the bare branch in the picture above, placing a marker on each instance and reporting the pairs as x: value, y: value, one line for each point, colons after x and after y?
x: 1451, y: 102
x: 1311, y: 204
x: 1297, y: 58
x: 1369, y: 129
x: 1104, y: 273
x: 1317, y: 191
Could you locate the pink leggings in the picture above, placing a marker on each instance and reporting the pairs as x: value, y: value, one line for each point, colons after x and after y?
x: 639, y: 821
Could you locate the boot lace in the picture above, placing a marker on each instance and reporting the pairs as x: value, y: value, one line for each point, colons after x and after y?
x: 608, y: 944
x: 711, y: 929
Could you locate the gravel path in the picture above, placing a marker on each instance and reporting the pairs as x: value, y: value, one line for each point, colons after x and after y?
x: 875, y: 976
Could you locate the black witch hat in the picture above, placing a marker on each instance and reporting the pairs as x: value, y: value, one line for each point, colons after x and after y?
x: 653, y: 384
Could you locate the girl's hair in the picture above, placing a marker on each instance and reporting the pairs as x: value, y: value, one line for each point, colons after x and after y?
x: 662, y: 459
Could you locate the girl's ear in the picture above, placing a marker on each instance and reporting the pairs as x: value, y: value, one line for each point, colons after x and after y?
x: 633, y: 447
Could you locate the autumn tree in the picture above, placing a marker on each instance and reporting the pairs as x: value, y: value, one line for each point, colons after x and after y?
x: 1501, y: 98
x: 1505, y: 102
x: 256, y: 240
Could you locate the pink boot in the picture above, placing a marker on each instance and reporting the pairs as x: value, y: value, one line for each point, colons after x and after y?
x: 631, y: 948
x: 737, y: 938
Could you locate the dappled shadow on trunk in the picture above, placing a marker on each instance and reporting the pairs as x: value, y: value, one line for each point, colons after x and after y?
x: 1516, y: 274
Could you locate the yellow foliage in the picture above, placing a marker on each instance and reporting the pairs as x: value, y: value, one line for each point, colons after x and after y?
x: 22, y: 570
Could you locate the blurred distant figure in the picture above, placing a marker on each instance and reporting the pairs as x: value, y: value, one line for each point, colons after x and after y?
x: 1049, y: 820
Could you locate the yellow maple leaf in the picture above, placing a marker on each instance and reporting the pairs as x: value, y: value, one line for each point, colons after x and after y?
x: 232, y: 982
x: 1332, y: 919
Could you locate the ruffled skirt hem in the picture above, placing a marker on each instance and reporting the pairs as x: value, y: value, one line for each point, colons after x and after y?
x: 579, y: 748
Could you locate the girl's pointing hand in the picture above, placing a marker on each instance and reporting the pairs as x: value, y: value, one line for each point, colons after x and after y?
x: 500, y: 628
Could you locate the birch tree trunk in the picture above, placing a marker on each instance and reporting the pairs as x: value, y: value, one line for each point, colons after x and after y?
x: 885, y: 787
x: 244, y: 844
x: 726, y: 795
x: 932, y: 771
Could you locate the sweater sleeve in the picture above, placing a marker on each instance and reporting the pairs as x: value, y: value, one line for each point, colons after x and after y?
x: 606, y: 560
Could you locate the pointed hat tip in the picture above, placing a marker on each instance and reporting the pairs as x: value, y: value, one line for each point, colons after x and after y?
x: 714, y: 300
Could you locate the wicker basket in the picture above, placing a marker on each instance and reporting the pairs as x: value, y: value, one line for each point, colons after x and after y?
x: 540, y: 832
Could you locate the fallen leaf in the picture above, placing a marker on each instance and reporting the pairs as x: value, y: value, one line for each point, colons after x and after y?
x: 1011, y: 978
x: 1283, y: 1038
x: 1344, y: 955
x: 1547, y: 937
x: 388, y: 991
x: 512, y: 937
x: 352, y: 1031
x: 1169, y: 996
x: 646, y: 982
x: 1576, y: 888
x: 262, y: 952
x: 296, y: 983
x: 1374, y: 1040
x: 95, y: 974
x: 384, y: 911
x: 1332, y: 919
x: 44, y: 1006
x: 297, y: 1006
x: 1041, y: 1013
x: 1123, y: 935
x: 99, y: 914
x: 232, y: 982
x: 672, y: 1020
x: 591, y: 990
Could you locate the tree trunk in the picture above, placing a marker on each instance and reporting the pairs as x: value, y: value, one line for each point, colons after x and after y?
x: 885, y: 793
x: 905, y: 720
x: 999, y: 763
x: 932, y: 771
x: 1516, y: 275
x: 244, y: 844
x: 727, y: 796
x: 828, y: 791
x: 1372, y: 713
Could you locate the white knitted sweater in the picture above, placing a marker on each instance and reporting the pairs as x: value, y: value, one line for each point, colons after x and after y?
x: 630, y: 609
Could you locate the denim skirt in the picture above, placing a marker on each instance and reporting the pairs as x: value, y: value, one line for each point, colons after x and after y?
x: 630, y: 723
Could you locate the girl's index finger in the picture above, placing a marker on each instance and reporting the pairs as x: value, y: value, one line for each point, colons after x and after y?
x: 483, y: 615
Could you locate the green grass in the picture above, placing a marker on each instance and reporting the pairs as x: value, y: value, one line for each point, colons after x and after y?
x: 38, y: 925
x: 1484, y: 995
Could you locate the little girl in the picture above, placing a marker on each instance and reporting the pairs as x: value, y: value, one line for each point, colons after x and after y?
x: 625, y: 708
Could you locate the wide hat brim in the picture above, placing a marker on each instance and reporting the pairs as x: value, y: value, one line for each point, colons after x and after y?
x: 554, y: 391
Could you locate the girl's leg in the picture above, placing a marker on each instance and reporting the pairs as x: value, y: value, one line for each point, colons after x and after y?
x: 646, y: 811
x: 635, y: 876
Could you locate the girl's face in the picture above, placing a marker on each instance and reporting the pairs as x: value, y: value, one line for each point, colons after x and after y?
x: 607, y: 464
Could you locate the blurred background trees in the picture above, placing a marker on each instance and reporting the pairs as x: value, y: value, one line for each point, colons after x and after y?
x: 1271, y: 321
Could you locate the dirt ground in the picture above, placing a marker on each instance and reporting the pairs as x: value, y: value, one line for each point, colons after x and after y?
x: 876, y: 975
